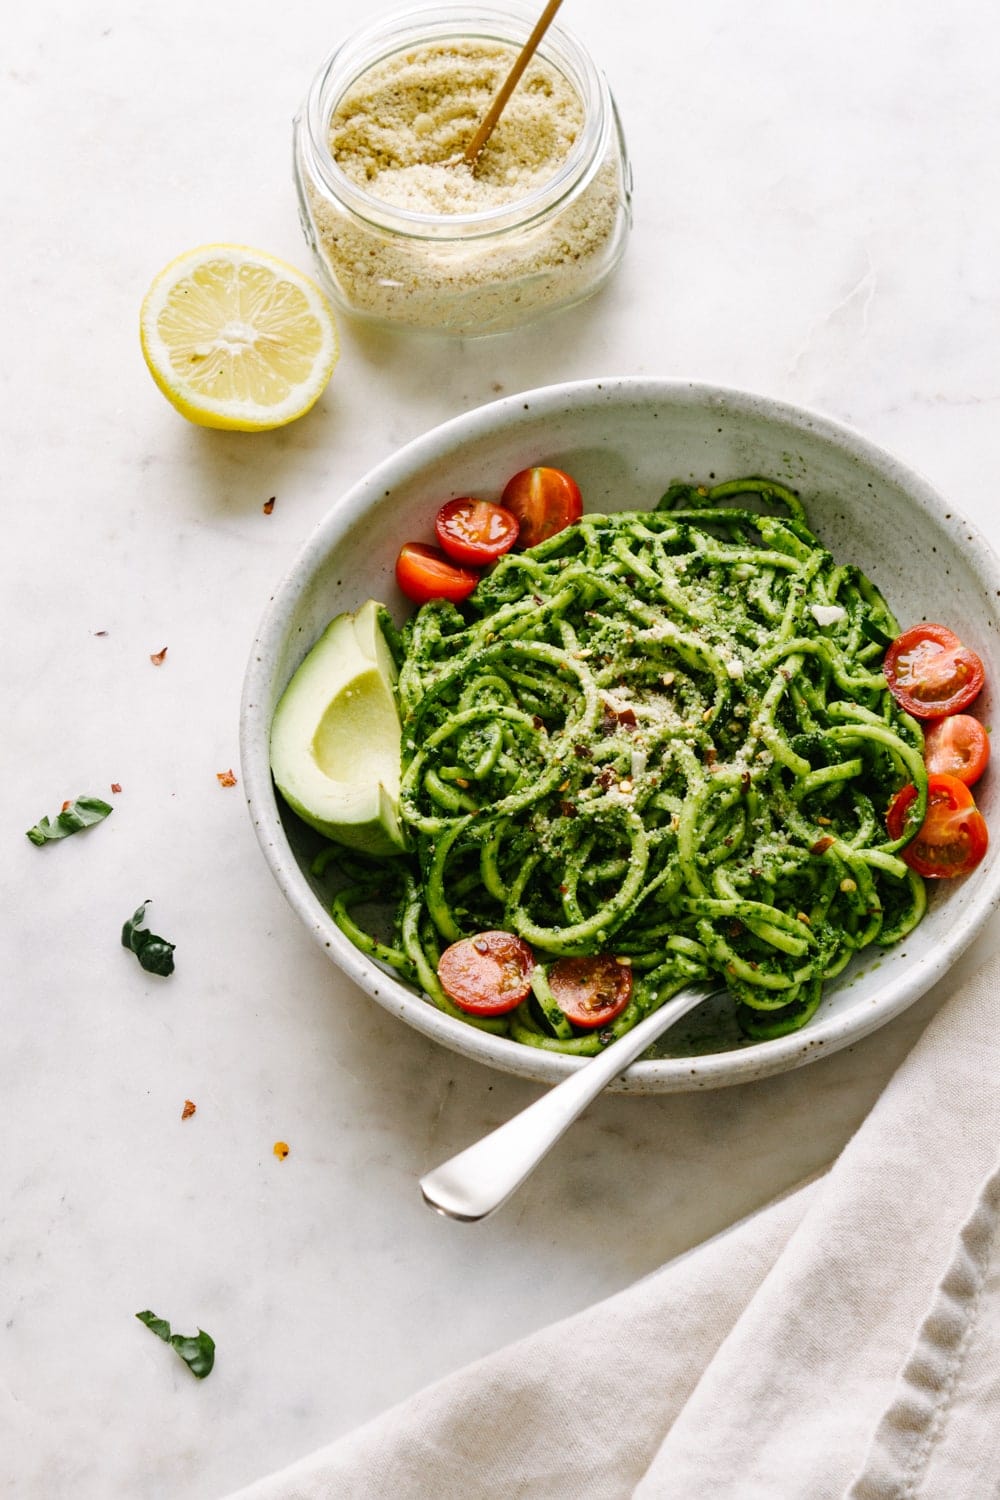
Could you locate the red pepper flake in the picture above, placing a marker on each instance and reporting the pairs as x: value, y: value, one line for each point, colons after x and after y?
x: 568, y: 809
x: 189, y: 1109
x: 65, y: 805
x: 268, y: 505
x: 159, y: 657
x: 281, y: 1149
x: 613, y: 718
x: 226, y: 778
x: 821, y: 845
x: 116, y: 786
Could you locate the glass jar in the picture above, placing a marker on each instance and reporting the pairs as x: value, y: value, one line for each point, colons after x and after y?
x: 471, y: 272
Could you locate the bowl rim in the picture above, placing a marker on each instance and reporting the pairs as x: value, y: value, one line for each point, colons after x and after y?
x: 825, y: 1034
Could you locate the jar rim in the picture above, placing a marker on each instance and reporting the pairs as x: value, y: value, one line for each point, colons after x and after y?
x: 405, y: 28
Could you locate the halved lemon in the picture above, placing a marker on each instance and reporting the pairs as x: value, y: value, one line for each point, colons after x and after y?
x: 237, y: 339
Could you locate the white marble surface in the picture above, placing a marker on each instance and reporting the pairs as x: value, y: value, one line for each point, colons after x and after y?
x: 817, y: 218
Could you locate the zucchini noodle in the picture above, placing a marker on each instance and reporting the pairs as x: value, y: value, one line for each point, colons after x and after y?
x: 663, y: 735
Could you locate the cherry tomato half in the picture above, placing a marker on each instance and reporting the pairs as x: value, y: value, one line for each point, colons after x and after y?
x: 930, y: 673
x: 487, y: 975
x: 475, y: 531
x: 957, y: 746
x: 953, y: 836
x: 425, y: 573
x: 590, y: 992
x: 544, y: 501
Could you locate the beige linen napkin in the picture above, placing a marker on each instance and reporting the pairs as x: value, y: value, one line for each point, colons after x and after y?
x: 843, y: 1342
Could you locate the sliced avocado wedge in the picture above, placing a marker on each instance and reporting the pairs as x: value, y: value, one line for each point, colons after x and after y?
x: 335, y: 737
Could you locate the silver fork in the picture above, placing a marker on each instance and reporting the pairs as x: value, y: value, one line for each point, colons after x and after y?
x: 473, y: 1184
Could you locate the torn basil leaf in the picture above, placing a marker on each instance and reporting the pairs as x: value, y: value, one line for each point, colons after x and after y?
x: 83, y: 813
x: 196, y: 1350
x: 154, y: 953
x: 160, y: 1326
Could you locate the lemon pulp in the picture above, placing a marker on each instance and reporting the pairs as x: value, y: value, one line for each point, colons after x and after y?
x: 237, y: 339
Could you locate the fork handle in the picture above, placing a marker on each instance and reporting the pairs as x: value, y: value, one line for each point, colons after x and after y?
x: 479, y: 1179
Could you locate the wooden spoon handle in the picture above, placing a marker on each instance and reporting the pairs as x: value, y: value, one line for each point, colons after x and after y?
x: 473, y: 150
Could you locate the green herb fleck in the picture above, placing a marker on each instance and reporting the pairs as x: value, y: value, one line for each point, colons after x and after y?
x: 154, y: 953
x: 196, y: 1350
x: 82, y: 813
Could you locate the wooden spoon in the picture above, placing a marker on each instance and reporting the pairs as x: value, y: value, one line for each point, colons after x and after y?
x: 473, y: 150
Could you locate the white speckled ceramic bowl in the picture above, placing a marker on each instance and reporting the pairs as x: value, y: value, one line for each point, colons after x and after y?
x: 624, y: 440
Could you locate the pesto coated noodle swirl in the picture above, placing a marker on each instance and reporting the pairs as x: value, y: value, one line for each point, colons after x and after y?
x: 663, y: 735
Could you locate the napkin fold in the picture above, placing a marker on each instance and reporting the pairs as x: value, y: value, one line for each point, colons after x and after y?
x: 842, y: 1342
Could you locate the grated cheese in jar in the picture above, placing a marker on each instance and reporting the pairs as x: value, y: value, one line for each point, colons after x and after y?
x: 404, y: 236
x: 399, y: 126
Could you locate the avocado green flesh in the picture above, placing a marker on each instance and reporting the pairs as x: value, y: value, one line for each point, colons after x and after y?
x: 357, y: 739
x: 335, y: 737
